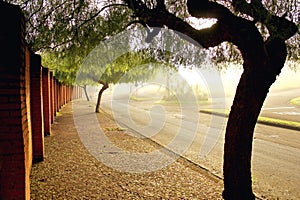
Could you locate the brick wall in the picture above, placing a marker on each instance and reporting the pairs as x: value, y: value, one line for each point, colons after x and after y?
x: 37, y: 107
x: 52, y: 78
x: 30, y: 96
x: 46, y: 100
x: 15, y: 136
x: 26, y: 118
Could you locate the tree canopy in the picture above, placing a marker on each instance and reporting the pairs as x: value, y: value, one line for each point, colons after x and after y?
x: 57, y: 25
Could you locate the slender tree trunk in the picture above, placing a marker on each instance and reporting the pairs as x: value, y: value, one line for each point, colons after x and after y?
x: 250, y: 95
x: 238, y: 141
x: 86, y: 94
x: 104, y: 87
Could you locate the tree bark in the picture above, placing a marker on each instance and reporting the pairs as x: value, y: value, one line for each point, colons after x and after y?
x: 257, y: 78
x: 86, y: 94
x: 104, y: 87
x: 238, y: 139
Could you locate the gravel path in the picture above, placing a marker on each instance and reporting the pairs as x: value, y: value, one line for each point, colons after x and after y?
x: 70, y: 172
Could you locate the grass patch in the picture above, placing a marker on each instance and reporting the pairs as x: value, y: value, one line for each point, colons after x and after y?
x: 176, y: 102
x: 279, y: 122
x: 295, y: 101
x: 115, y: 129
x: 58, y: 114
x: 135, y: 98
x: 262, y: 120
x: 167, y: 102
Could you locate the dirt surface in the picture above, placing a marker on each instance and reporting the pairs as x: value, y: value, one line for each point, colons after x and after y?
x: 70, y: 172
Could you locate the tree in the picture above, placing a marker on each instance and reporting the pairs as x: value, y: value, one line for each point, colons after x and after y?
x: 131, y: 67
x: 263, y: 58
x: 64, y: 32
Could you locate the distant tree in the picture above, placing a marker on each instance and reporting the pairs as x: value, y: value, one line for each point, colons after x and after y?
x: 131, y: 67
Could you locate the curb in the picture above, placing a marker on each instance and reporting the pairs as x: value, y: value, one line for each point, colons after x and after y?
x: 282, y: 124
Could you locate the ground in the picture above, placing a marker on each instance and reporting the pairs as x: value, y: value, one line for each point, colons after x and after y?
x: 70, y: 172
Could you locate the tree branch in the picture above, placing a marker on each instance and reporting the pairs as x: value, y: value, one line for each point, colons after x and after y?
x: 97, y: 13
x: 241, y: 32
x: 36, y: 11
x: 160, y: 17
x: 161, y: 4
x: 207, y: 9
x: 278, y: 27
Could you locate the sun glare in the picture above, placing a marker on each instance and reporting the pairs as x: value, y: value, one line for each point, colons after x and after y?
x: 201, y: 23
x: 191, y: 76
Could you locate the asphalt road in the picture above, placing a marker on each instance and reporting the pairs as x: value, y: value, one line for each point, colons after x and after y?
x: 200, y: 137
x: 277, y: 105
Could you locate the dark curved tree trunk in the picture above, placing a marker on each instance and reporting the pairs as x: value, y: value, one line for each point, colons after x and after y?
x: 250, y: 95
x: 104, y: 87
x: 238, y: 140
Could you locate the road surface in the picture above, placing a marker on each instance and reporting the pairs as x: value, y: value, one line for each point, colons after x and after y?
x: 200, y: 137
x: 277, y: 105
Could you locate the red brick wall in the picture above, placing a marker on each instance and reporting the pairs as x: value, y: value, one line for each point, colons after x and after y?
x: 65, y: 94
x: 46, y: 100
x: 15, y: 136
x: 61, y: 95
x: 26, y: 119
x: 56, y: 96
x: 29, y: 98
x: 51, y: 98
x: 37, y: 108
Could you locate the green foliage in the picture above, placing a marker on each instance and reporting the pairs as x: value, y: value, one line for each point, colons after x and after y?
x: 64, y: 32
x: 57, y: 26
x: 131, y: 67
x: 227, y: 52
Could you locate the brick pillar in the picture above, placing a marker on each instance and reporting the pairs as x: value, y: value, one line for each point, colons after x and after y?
x: 15, y: 135
x: 61, y: 98
x: 51, y: 99
x: 37, y: 108
x: 56, y: 96
x: 27, y: 126
x: 46, y: 100
x: 62, y: 95
x: 65, y: 94
x: 72, y: 92
x: 68, y: 93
